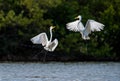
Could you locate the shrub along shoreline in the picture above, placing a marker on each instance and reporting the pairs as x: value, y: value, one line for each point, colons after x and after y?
x: 21, y: 20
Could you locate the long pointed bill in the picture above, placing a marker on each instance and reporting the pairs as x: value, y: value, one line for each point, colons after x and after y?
x: 53, y: 27
x: 76, y: 18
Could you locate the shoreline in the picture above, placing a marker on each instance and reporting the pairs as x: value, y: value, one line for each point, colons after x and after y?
x: 49, y: 58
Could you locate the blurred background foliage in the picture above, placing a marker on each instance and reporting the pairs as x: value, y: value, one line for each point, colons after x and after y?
x: 20, y: 20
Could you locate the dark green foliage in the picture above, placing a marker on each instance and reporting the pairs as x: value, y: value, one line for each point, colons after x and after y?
x: 20, y: 20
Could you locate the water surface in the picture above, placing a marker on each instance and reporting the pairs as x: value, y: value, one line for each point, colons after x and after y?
x: 59, y: 71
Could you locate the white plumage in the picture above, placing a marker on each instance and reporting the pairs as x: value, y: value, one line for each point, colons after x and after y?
x: 42, y: 38
x: 90, y: 26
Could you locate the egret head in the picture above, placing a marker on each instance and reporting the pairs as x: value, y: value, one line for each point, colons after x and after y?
x: 52, y: 27
x: 78, y: 17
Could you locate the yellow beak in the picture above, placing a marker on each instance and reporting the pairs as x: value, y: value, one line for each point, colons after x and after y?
x: 76, y: 17
x: 53, y: 27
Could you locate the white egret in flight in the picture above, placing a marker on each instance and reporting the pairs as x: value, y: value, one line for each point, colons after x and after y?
x: 90, y: 26
x: 42, y: 38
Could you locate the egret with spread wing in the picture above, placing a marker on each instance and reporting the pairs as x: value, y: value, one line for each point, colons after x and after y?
x: 42, y: 38
x: 90, y: 26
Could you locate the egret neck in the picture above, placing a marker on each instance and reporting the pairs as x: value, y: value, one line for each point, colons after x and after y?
x: 50, y: 34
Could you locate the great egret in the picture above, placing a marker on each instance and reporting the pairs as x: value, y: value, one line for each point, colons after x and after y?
x: 90, y: 26
x: 42, y: 38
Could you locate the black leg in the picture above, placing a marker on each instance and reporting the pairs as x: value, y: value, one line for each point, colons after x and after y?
x: 86, y: 46
x: 45, y: 56
x: 38, y: 53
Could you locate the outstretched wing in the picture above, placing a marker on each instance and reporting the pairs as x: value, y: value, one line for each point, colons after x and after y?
x: 92, y: 26
x: 40, y: 39
x: 75, y: 26
x: 53, y: 45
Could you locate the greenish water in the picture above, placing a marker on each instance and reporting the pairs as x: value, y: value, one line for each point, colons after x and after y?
x: 59, y: 71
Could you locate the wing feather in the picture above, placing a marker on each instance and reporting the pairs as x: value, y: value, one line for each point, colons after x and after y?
x: 53, y: 45
x: 92, y: 26
x: 75, y: 26
x: 40, y: 39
